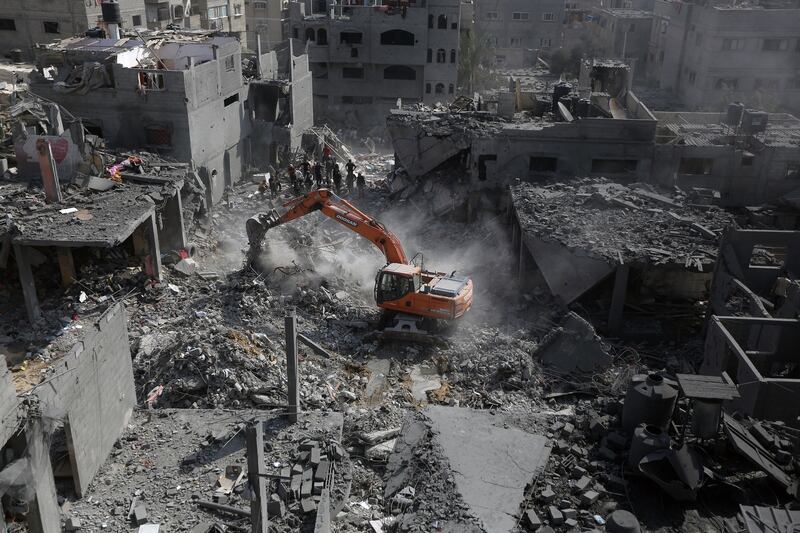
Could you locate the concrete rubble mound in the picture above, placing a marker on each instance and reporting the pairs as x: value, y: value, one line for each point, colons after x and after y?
x: 617, y: 223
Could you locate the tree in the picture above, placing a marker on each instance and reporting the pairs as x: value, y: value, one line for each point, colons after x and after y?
x: 474, y: 71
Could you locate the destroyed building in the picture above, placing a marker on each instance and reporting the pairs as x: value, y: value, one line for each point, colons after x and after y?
x: 542, y: 128
x: 597, y: 128
x: 26, y: 23
x: 711, y: 53
x: 515, y: 30
x: 624, y: 34
x: 180, y: 95
x: 267, y: 20
x: 161, y: 14
x: 365, y: 57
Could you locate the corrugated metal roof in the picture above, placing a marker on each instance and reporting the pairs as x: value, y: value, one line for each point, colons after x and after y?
x: 770, y: 519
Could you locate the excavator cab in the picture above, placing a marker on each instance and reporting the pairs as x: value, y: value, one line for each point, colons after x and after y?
x: 396, y: 280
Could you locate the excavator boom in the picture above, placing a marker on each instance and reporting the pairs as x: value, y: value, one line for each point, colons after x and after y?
x: 401, y: 289
x: 336, y: 208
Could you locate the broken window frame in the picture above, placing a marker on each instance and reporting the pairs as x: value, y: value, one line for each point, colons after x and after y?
x: 353, y: 73
x: 548, y: 17
x: 611, y: 165
x: 400, y: 73
x: 397, y: 37
x: 696, y: 166
x: 492, y: 15
x: 54, y: 26
x: 540, y: 164
x: 230, y: 64
x: 439, y: 88
x: 8, y: 24
x: 441, y: 22
x: 151, y: 81
x: 792, y: 170
x: 775, y: 44
x: 441, y: 55
x: 520, y: 15
x: 353, y: 37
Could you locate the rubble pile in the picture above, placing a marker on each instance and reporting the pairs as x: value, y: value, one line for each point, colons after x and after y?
x: 615, y: 222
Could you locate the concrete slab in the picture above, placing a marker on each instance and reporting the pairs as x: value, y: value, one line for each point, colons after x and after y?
x: 491, y: 463
x: 567, y: 274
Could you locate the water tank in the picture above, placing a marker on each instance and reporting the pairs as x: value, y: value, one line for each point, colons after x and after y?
x: 734, y: 115
x: 559, y: 90
x: 646, y: 439
x: 111, y: 12
x: 705, y: 418
x: 584, y: 107
x: 567, y: 101
x: 649, y: 400
x: 622, y: 522
x: 97, y: 33
x: 754, y: 121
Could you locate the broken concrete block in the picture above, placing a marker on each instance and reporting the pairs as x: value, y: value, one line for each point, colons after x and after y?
x: 187, y: 266
x: 616, y: 441
x: 139, y: 515
x: 582, y: 484
x: 598, y: 428
x: 569, y: 513
x: 276, y: 508
x: 307, y: 505
x: 577, y: 472
x: 314, y: 459
x: 556, y: 518
x: 533, y: 519
x: 607, y: 454
x: 573, y: 346
x: 73, y: 524
x: 547, y: 495
x: 545, y: 529
x: 622, y: 522
x: 321, y: 473
x: 589, y: 497
x: 570, y: 523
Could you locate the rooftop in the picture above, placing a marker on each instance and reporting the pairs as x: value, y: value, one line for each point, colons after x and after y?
x: 613, y: 222
x: 709, y: 129
x: 165, y: 50
x: 628, y: 13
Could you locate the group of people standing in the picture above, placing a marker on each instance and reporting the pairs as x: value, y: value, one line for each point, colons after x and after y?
x: 326, y: 173
x: 319, y: 174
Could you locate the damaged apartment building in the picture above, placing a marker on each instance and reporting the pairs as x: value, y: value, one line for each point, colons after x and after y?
x: 708, y: 54
x: 514, y: 31
x: 365, y: 57
x: 600, y: 128
x: 26, y: 23
x: 183, y: 96
x: 75, y: 213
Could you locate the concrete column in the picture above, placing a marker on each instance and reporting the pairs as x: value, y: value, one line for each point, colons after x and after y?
x: 146, y: 246
x: 258, y: 484
x: 28, y: 285
x: 293, y: 378
x: 173, y: 233
x: 44, y: 515
x: 66, y: 265
x: 47, y: 166
x: 618, y: 299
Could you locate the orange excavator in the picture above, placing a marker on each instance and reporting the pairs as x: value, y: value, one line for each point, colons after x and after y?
x: 407, y: 292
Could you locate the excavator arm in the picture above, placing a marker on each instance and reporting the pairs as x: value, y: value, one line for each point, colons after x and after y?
x: 334, y: 207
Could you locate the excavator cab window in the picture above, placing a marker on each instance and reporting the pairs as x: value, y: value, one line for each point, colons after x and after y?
x: 393, y: 287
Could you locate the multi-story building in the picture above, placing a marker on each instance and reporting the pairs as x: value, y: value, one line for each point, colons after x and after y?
x: 711, y: 54
x: 366, y: 57
x: 223, y: 15
x: 181, y: 96
x: 163, y: 13
x: 624, y: 34
x: 23, y: 23
x: 267, y: 19
x: 514, y: 30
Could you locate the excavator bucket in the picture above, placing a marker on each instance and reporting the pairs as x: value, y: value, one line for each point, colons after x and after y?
x: 256, y: 227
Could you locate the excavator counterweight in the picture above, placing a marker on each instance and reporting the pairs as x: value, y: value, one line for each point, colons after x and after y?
x: 401, y: 287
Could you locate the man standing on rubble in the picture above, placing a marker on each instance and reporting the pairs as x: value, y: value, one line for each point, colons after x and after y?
x: 274, y: 187
x: 337, y: 178
x: 318, y: 174
x: 309, y: 182
x: 350, y: 167
x: 305, y: 166
x: 361, y: 182
x: 329, y: 162
x: 292, y: 176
